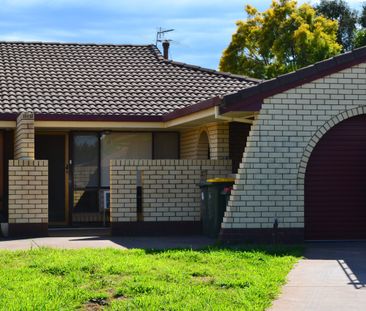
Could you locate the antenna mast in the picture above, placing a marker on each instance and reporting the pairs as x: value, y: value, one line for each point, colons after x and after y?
x: 160, y: 35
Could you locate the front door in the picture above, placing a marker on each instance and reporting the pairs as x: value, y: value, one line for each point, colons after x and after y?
x: 51, y: 147
x: 86, y: 179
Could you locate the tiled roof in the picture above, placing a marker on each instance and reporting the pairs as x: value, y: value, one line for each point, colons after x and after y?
x: 114, y: 80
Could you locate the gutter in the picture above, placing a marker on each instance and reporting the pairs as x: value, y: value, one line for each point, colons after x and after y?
x: 212, y: 103
x: 218, y: 116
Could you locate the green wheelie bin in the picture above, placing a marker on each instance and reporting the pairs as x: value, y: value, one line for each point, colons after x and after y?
x: 214, y: 197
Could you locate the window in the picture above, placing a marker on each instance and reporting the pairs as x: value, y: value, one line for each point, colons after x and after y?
x: 123, y: 146
x: 166, y: 146
x: 91, y: 155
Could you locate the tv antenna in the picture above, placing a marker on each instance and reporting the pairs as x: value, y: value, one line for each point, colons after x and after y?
x: 160, y: 35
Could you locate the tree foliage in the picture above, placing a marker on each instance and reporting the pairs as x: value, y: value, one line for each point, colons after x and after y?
x: 360, y: 34
x: 347, y: 19
x: 362, y: 18
x: 359, y: 38
x: 283, y: 38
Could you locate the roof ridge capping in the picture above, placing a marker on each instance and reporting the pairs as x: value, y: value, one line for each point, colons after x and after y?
x: 281, y: 83
x: 221, y: 73
x: 75, y: 43
x: 195, y: 67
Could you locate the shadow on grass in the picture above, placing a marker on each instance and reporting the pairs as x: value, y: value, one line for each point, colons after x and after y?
x: 273, y: 250
x: 156, y: 245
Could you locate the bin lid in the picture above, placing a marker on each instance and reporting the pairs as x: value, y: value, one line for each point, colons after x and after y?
x: 213, y: 180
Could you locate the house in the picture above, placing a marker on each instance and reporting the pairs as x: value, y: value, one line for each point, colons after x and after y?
x: 82, y: 121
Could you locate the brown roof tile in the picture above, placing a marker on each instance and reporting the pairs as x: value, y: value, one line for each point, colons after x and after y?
x: 104, y: 80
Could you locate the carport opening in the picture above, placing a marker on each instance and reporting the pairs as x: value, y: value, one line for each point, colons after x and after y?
x: 203, y: 149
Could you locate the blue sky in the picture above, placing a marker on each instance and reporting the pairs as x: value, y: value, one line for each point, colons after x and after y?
x: 203, y: 28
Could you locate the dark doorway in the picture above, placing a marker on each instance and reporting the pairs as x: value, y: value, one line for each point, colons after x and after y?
x: 1, y: 173
x: 52, y: 148
x: 238, y: 135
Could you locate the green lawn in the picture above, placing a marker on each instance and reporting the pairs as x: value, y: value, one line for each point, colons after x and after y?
x: 95, y: 279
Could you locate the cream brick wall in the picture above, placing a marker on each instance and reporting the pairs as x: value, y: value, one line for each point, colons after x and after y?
x: 28, y: 191
x: 170, y: 188
x: 24, y: 136
x: 218, y: 135
x: 270, y: 181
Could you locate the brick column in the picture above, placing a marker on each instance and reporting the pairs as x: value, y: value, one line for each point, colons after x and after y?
x: 28, y: 197
x: 24, y: 136
x: 218, y: 134
x: 28, y: 184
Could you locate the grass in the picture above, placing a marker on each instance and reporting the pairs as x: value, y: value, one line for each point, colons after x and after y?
x: 94, y: 279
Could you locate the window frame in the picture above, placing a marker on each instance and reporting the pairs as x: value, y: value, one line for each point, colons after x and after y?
x: 99, y: 133
x: 121, y: 132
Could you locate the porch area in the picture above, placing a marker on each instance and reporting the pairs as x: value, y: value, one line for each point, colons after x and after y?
x: 136, y: 182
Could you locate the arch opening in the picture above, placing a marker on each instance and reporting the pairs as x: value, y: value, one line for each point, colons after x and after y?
x: 203, y: 148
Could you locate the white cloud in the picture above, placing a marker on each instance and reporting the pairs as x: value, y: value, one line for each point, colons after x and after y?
x: 203, y: 28
x: 15, y: 36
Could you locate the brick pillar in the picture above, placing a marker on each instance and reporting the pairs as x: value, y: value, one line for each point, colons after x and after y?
x: 28, y: 184
x: 24, y: 137
x: 218, y: 134
x: 28, y: 197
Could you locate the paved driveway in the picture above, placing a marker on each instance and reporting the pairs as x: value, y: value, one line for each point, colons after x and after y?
x: 332, y: 277
x: 74, y: 242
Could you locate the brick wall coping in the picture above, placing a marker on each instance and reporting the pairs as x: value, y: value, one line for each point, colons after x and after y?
x: 28, y: 162
x: 169, y: 162
x: 346, y: 114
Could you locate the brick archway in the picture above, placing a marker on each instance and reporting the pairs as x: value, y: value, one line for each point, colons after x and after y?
x: 319, y: 134
x: 334, y: 181
x: 316, y: 137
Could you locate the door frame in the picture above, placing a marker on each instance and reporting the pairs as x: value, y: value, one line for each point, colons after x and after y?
x: 2, y: 173
x: 67, y: 174
x: 71, y: 188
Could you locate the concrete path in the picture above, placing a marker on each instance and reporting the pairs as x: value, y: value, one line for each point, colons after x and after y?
x: 107, y: 241
x: 332, y: 277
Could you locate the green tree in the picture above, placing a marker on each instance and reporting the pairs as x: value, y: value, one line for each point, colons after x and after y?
x: 362, y: 18
x: 347, y: 19
x: 359, y: 38
x: 360, y: 34
x: 283, y: 38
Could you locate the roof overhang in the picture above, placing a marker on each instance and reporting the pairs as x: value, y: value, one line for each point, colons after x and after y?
x: 189, y: 116
x: 192, y: 119
x: 251, y: 98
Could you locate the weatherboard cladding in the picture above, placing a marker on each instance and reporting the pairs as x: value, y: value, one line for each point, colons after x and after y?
x: 103, y: 80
